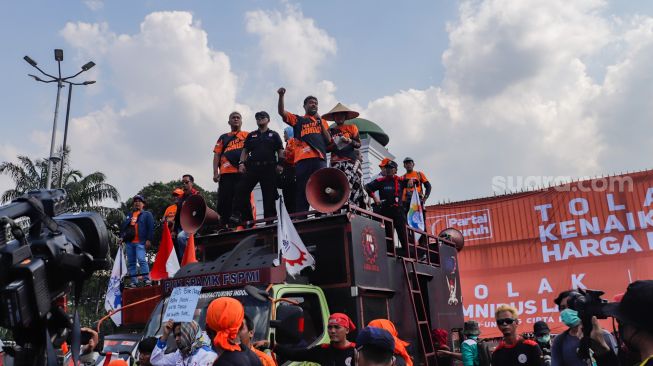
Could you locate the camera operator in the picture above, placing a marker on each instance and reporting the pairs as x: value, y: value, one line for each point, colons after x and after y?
x: 634, y: 316
x: 564, y: 350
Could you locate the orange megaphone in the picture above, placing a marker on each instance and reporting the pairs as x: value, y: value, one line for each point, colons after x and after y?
x: 327, y: 190
x: 195, y: 213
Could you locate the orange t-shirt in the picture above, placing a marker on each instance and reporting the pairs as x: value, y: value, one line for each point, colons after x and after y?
x: 266, y: 360
x: 170, y: 213
x: 304, y: 150
x: 418, y: 180
x: 237, y: 143
x: 289, y: 152
x: 349, y: 131
x: 134, y: 223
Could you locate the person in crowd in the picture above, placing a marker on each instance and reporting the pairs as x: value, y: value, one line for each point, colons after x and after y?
x: 171, y: 211
x: 543, y: 338
x: 178, y: 233
x: 226, y: 158
x: 193, y: 346
x: 635, y: 326
x: 375, y: 347
x: 260, y: 159
x: 137, y: 232
x: 469, y: 347
x: 345, y: 150
x: 513, y: 350
x: 400, y: 351
x: 415, y: 180
x: 564, y: 349
x: 440, y: 339
x: 87, y: 354
x: 287, y: 181
x: 246, y: 335
x: 225, y: 319
x: 145, y: 349
x: 312, y: 134
x: 338, y: 352
x: 390, y: 189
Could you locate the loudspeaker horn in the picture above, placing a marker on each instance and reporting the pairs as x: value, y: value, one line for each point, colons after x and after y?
x: 195, y: 213
x: 454, y: 236
x: 327, y: 190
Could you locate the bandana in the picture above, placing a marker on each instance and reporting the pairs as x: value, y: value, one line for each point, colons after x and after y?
x: 188, y: 333
x: 341, y: 320
x: 400, y: 345
x: 225, y: 316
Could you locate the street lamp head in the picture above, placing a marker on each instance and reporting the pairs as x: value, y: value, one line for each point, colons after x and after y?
x: 89, y: 82
x: 35, y: 77
x: 30, y: 61
x: 88, y: 65
x: 58, y: 54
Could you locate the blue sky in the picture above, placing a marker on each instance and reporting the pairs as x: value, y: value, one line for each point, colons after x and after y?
x: 476, y: 89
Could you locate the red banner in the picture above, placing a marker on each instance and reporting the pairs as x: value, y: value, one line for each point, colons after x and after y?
x: 523, y: 249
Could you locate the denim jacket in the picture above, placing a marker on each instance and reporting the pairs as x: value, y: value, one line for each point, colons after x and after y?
x: 145, y: 223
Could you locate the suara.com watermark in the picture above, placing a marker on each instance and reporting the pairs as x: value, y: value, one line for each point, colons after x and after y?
x: 518, y: 183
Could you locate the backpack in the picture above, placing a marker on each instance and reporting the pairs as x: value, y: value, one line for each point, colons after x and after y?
x: 129, y: 234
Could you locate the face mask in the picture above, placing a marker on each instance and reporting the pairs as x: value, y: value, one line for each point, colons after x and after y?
x: 570, y: 317
x: 472, y: 337
x: 544, y: 339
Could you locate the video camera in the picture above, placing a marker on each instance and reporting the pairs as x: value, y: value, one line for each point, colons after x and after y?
x: 588, y: 303
x: 36, y: 270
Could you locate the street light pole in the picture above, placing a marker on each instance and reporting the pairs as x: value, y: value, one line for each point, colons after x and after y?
x: 58, y: 56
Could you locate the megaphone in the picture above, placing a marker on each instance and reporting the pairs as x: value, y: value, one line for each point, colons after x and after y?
x: 327, y: 190
x: 195, y: 213
x: 454, y: 236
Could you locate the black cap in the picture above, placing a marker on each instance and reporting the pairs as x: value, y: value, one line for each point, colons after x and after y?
x: 262, y: 114
x: 138, y: 197
x: 470, y: 328
x: 407, y: 159
x: 391, y: 164
x: 635, y: 307
x: 377, y: 338
x: 540, y: 328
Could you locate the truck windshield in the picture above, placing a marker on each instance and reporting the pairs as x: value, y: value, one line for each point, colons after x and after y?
x: 258, y: 311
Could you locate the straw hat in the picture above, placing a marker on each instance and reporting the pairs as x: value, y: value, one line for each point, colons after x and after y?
x: 340, y: 108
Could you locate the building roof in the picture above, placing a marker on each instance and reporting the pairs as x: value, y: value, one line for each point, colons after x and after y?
x: 367, y: 127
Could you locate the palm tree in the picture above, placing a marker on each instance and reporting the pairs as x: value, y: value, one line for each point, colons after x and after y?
x: 83, y: 192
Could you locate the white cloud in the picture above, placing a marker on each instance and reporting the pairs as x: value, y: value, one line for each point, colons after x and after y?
x: 517, y: 98
x: 175, y: 93
x: 94, y: 5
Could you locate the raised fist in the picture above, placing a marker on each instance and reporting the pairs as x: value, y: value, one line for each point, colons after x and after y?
x: 281, y: 91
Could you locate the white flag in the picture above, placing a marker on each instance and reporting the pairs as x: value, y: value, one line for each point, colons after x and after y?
x: 291, y: 247
x: 113, y: 299
x: 415, y: 216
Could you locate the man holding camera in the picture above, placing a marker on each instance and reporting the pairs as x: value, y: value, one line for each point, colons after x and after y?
x: 564, y: 350
x: 634, y: 314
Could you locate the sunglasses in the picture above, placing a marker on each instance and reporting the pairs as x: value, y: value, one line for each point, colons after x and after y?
x: 505, y: 321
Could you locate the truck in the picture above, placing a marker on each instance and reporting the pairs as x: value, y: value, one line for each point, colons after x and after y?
x: 360, y: 270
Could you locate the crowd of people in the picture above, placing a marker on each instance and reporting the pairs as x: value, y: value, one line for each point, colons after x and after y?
x: 241, y: 160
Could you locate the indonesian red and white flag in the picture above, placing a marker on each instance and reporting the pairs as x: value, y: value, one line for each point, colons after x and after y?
x: 291, y: 246
x: 166, y: 263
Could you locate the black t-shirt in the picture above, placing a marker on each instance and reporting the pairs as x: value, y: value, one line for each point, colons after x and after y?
x: 262, y: 146
x: 239, y: 358
x: 523, y: 353
x: 390, y: 189
x: 324, y: 354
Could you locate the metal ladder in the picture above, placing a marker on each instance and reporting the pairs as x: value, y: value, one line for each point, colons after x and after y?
x: 419, y: 312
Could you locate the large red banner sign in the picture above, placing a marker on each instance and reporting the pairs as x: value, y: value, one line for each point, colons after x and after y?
x: 523, y: 249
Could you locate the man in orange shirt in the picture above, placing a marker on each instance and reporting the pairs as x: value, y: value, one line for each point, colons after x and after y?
x: 312, y: 134
x: 171, y: 211
x: 226, y: 158
x: 414, y: 180
x: 137, y: 232
x: 344, y: 150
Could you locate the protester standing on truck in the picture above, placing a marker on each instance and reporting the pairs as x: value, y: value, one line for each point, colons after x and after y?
x: 400, y: 351
x: 344, y: 150
x: 514, y: 350
x: 226, y: 156
x: 260, y: 160
x: 390, y: 188
x: 193, y: 346
x: 415, y: 180
x: 312, y: 134
x: 137, y: 232
x: 338, y: 352
x: 171, y: 211
x: 178, y: 234
x: 225, y: 319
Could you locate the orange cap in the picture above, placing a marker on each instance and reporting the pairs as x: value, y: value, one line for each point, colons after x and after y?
x: 384, y: 162
x: 178, y: 192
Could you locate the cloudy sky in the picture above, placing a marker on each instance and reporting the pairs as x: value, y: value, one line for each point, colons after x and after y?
x: 472, y: 89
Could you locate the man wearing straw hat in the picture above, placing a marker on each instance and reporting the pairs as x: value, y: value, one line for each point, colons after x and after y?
x: 344, y: 150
